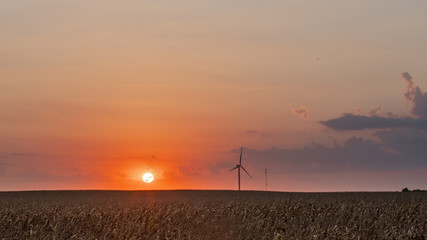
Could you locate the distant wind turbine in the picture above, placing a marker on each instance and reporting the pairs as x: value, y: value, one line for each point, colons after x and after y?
x: 238, y: 166
x: 266, y: 179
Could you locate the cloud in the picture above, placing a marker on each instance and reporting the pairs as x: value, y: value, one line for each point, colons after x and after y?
x: 374, y: 112
x: 171, y: 175
x: 411, y: 90
x: 251, y: 132
x: 300, y: 112
x: 399, y: 149
x: 399, y: 145
x: 10, y: 155
x: 256, y: 133
x: 219, y: 166
x: 415, y: 95
x: 358, y: 111
x: 408, y: 143
x: 179, y: 173
x: 188, y: 171
x: 355, y: 154
x: 402, y: 140
x: 122, y: 175
x: 28, y: 177
x: 359, y: 122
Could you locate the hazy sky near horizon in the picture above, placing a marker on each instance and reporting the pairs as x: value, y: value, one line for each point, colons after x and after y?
x: 93, y: 94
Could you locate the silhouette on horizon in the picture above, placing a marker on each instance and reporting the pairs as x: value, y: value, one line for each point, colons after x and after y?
x: 238, y: 167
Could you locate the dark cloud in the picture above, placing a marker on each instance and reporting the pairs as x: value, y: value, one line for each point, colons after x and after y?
x: 410, y: 144
x: 402, y: 140
x: 390, y: 115
x: 400, y: 144
x: 398, y: 149
x: 415, y: 95
x: 359, y: 122
x: 356, y: 154
x: 300, y: 112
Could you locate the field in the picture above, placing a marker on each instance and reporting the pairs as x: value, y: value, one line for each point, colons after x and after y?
x: 211, y: 215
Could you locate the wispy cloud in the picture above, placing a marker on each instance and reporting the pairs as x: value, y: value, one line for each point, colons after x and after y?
x: 16, y: 154
x: 375, y: 111
x: 300, y: 112
x: 35, y: 176
x: 188, y: 171
x: 256, y: 133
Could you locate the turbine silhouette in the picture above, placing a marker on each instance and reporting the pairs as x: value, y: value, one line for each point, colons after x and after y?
x: 238, y: 167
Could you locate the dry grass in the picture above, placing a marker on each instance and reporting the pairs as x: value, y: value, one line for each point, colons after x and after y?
x: 211, y: 215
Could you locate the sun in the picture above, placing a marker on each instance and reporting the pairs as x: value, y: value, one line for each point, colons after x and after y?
x: 147, y: 177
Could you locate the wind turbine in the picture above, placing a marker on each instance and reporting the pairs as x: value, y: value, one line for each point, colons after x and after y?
x: 238, y: 167
x: 266, y: 179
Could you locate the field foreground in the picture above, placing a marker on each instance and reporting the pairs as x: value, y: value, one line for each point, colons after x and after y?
x: 211, y: 215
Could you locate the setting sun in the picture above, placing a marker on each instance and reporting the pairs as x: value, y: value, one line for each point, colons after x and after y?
x: 147, y: 177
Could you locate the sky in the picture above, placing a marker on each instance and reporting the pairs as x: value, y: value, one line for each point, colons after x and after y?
x: 325, y: 95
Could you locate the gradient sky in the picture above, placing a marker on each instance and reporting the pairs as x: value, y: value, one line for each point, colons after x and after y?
x: 326, y: 95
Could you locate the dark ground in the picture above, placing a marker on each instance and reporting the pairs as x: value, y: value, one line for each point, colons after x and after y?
x: 188, y: 214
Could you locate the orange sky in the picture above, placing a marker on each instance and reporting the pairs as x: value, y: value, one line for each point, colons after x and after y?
x: 92, y: 95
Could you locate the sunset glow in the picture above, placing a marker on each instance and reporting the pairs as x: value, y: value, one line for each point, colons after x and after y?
x: 328, y: 96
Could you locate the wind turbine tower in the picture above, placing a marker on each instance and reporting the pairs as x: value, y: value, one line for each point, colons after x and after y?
x: 238, y: 167
x: 266, y: 179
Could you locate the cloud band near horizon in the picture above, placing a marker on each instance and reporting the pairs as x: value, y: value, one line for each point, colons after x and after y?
x: 358, y: 122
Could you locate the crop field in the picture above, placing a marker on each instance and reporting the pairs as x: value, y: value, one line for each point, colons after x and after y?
x: 211, y: 215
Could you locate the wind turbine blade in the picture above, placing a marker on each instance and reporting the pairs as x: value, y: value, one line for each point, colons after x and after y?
x: 241, y: 150
x: 246, y: 171
x: 233, y: 168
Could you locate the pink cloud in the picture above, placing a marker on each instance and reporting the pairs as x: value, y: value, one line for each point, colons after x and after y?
x: 300, y: 112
